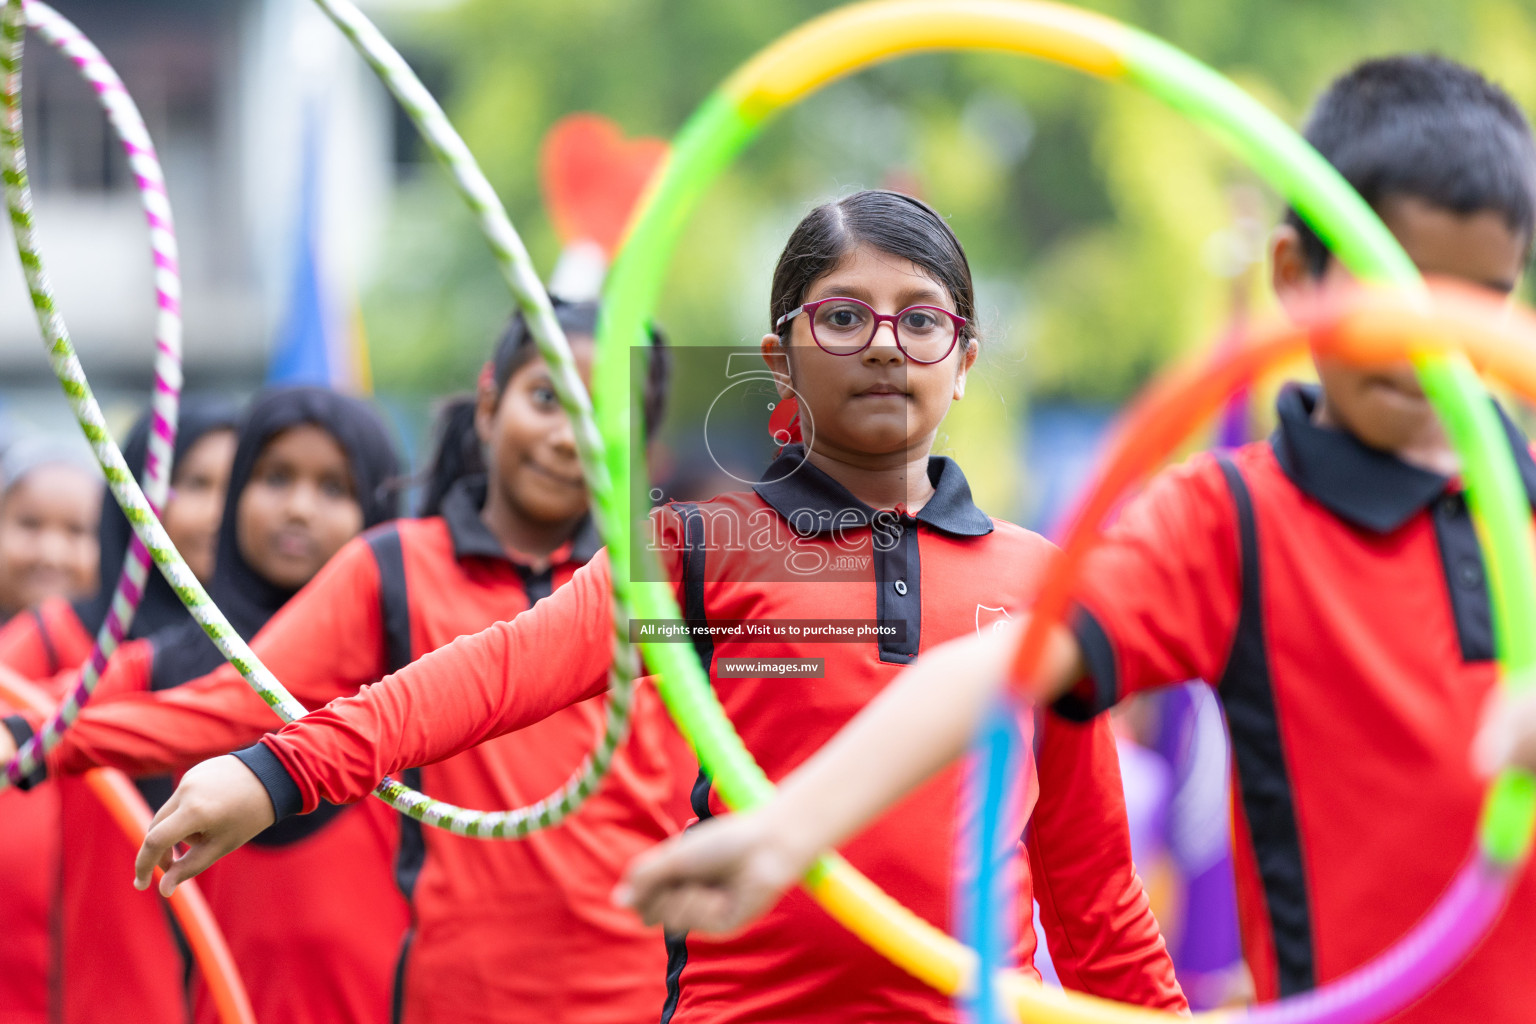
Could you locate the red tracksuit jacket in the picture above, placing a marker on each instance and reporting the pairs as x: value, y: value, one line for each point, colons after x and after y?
x: 1337, y: 599
x: 95, y: 944
x: 299, y: 965
x: 502, y: 931
x: 936, y: 575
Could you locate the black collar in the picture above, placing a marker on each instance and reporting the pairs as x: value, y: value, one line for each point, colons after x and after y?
x: 1362, y: 485
x: 812, y: 502
x: 472, y: 539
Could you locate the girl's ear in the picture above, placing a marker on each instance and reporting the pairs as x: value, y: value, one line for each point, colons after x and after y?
x: 967, y: 360
x: 486, y: 401
x: 776, y: 355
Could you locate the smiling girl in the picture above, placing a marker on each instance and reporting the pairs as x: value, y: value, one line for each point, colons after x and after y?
x: 872, y: 316
x: 51, y: 837
x: 500, y: 931
x: 49, y: 491
x: 57, y: 635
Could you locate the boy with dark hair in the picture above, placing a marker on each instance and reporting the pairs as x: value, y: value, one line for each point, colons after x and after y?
x: 1428, y: 128
x: 1327, y: 580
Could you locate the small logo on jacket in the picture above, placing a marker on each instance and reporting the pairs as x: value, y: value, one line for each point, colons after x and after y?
x: 990, y: 620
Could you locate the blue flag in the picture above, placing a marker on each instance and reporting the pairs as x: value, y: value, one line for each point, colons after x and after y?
x: 308, y: 348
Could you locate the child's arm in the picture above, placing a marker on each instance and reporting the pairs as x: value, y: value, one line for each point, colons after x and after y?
x: 477, y: 688
x: 325, y: 643
x: 1158, y: 602
x: 125, y: 675
x: 1097, y: 917
x: 723, y: 873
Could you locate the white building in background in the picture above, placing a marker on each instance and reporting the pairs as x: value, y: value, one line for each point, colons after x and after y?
x: 225, y: 87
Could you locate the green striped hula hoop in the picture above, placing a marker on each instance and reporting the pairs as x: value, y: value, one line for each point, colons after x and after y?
x: 516, y: 266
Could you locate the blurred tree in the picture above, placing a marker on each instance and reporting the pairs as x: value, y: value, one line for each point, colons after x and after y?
x: 1091, y: 213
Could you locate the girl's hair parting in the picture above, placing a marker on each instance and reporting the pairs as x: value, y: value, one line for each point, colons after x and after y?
x: 892, y: 222
x: 516, y: 347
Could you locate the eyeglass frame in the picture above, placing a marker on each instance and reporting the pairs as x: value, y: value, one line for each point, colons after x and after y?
x: 809, y: 308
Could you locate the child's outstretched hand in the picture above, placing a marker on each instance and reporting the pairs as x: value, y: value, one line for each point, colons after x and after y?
x: 218, y: 807
x: 1508, y: 736
x: 717, y: 877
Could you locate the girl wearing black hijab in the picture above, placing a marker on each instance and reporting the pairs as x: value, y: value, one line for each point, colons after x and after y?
x: 45, y: 830
x: 311, y: 915
x: 279, y: 529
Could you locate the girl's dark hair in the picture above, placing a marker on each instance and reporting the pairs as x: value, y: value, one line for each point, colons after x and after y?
x: 889, y: 221
x: 456, y: 447
x: 516, y: 347
x: 455, y: 452
x: 1423, y: 126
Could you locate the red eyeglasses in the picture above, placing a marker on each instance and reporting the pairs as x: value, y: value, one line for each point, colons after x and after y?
x: 843, y: 327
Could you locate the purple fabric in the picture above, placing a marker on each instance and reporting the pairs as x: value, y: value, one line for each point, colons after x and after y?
x: 1192, y: 738
x: 1233, y: 429
x: 1148, y: 782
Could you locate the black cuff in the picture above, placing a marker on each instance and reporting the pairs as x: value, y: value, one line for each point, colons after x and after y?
x: 1100, y: 689
x: 21, y: 732
x: 281, y: 789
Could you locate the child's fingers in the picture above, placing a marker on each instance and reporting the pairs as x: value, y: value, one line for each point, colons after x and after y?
x: 716, y: 877
x: 650, y: 896
x: 652, y: 905
x: 201, y: 852
x: 689, y: 908
x: 653, y: 876
x: 657, y: 879
x: 219, y: 806
x: 717, y: 905
x: 698, y: 909
x: 159, y: 847
x: 704, y: 851
x: 1508, y: 735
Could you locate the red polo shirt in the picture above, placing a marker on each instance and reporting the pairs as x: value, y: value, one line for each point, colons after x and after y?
x: 502, y: 931
x: 36, y: 644
x: 1349, y: 630
x: 940, y: 574
x: 86, y: 970
x: 41, y: 642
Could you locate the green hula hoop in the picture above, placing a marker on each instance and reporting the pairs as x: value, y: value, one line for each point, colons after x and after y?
x: 855, y: 37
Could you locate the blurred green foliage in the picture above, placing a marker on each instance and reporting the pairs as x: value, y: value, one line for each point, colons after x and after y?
x: 1106, y: 233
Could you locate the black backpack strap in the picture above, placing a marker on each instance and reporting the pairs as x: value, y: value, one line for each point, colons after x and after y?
x: 385, y: 545
x: 395, y: 615
x: 697, y: 617
x: 1248, y: 697
x: 394, y: 600
x: 695, y: 614
x: 46, y: 639
x: 694, y: 556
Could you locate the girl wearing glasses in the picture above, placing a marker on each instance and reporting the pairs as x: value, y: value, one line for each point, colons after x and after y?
x: 873, y: 338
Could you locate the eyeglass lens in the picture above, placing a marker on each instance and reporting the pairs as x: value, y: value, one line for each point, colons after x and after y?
x: 925, y: 333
